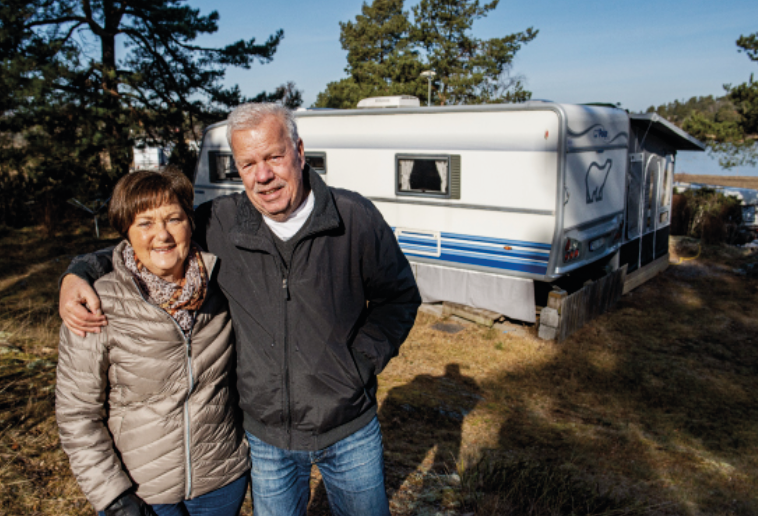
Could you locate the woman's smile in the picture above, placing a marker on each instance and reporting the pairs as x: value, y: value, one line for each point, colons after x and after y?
x: 161, y: 239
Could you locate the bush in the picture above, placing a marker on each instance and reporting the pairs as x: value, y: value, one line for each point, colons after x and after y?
x: 708, y: 215
x: 681, y: 215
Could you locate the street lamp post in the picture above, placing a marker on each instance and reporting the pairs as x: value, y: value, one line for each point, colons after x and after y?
x: 429, y: 74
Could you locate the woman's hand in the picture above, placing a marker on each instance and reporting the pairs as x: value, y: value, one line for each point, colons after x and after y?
x: 129, y: 504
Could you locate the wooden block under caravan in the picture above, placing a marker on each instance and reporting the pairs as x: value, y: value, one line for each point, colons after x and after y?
x: 477, y: 315
x: 435, y: 309
x: 555, y: 300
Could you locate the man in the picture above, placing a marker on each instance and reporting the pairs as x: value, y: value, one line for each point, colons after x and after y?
x: 321, y: 299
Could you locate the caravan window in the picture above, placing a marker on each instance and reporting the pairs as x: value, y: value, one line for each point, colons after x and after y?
x: 317, y: 161
x: 222, y: 167
x: 435, y: 176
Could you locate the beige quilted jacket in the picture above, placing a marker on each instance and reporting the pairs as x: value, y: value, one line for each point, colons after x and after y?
x: 138, y: 405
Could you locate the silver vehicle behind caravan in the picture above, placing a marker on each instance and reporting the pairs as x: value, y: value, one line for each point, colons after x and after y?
x: 484, y: 200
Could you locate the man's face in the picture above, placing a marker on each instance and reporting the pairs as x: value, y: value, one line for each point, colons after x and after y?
x: 271, y: 168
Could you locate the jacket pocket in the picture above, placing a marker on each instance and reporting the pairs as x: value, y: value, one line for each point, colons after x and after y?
x: 363, y: 365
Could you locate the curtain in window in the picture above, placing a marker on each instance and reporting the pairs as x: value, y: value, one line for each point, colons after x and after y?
x: 406, y: 167
x: 668, y: 169
x: 442, y: 171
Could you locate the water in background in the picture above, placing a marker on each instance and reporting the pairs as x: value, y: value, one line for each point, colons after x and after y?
x: 691, y: 162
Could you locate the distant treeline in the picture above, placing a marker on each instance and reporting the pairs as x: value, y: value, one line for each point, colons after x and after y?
x: 716, y: 109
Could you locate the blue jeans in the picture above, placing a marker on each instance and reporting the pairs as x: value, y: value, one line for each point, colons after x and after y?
x: 352, y: 469
x: 224, y: 501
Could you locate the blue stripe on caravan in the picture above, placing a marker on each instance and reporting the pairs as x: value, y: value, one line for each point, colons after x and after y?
x: 499, y: 254
x: 465, y: 256
x: 499, y: 241
x: 523, y: 266
x: 495, y: 261
x: 427, y: 244
x: 458, y: 248
x: 492, y: 263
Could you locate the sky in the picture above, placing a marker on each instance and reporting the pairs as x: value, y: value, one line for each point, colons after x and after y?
x: 639, y: 53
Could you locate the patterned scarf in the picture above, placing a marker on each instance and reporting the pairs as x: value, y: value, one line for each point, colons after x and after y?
x: 180, y: 300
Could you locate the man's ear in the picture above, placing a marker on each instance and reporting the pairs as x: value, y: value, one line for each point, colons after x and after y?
x: 301, y: 153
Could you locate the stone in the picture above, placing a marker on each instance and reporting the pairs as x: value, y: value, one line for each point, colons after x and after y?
x: 550, y: 317
x: 548, y: 333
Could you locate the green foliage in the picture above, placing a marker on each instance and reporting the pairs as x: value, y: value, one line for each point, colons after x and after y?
x: 706, y: 214
x: 380, y: 57
x: 749, y: 45
x: 728, y: 125
x: 74, y: 108
x: 387, y: 51
x: 469, y: 70
x: 717, y: 109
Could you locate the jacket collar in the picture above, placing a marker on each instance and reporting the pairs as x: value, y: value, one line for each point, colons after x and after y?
x: 248, y: 232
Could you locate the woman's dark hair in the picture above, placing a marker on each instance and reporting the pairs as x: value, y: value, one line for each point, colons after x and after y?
x: 144, y: 190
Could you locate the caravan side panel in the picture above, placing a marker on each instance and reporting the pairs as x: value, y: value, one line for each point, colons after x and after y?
x: 504, y: 219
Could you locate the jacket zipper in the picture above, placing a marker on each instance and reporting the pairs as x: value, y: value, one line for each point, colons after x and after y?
x: 188, y: 429
x: 191, y: 385
x: 287, y: 378
x: 285, y: 272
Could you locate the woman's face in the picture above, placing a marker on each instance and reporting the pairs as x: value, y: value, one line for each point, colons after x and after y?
x: 161, y: 240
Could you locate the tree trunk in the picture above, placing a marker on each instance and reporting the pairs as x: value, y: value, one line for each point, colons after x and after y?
x: 117, y: 134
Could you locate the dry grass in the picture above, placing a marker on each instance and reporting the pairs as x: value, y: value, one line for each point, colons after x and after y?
x: 650, y: 409
x: 733, y: 181
x: 34, y: 474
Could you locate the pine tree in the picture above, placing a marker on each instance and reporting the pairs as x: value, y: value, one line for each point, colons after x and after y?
x: 729, y: 124
x: 387, y: 52
x: 745, y: 95
x: 380, y: 60
x: 469, y: 70
x: 735, y: 142
x: 75, y: 107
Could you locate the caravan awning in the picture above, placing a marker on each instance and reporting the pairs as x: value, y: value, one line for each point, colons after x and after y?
x: 664, y: 129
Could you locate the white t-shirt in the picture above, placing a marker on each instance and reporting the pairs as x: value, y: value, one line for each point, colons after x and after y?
x: 287, y: 229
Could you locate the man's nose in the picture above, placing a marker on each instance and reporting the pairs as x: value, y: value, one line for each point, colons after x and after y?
x: 264, y: 173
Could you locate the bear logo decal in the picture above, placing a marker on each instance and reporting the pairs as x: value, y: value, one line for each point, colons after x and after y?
x: 595, y: 180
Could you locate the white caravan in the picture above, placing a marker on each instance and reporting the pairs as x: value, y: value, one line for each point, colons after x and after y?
x: 150, y: 157
x: 484, y: 200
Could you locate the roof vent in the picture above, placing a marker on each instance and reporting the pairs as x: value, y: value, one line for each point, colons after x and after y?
x: 395, y: 101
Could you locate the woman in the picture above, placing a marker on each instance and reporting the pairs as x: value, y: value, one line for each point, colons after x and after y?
x: 146, y: 408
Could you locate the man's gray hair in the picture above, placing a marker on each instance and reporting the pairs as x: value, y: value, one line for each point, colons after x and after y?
x: 251, y: 115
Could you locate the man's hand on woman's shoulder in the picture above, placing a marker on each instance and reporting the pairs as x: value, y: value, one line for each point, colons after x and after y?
x: 80, y: 306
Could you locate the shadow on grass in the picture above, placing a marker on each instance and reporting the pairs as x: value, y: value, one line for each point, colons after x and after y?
x: 421, y: 426
x: 650, y: 409
x: 419, y: 432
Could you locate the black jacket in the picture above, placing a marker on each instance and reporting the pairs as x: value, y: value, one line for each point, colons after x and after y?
x: 311, y: 337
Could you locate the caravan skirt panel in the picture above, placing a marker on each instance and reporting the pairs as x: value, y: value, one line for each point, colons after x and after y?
x: 648, y: 249
x: 662, y: 241
x: 630, y: 255
x: 512, y: 297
